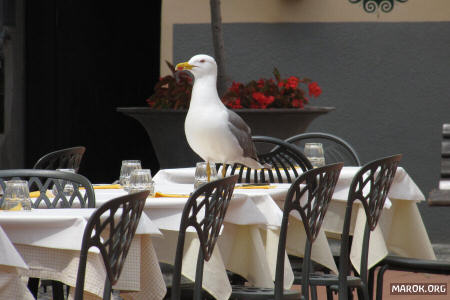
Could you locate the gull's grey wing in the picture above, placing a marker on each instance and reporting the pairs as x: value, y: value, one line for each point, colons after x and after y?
x: 242, y: 133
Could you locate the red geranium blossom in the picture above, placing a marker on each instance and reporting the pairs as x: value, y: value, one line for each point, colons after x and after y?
x: 314, y: 89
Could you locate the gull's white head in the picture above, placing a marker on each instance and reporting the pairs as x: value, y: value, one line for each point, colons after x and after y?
x: 199, y: 65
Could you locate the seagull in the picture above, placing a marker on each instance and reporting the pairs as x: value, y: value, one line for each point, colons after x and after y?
x: 214, y: 132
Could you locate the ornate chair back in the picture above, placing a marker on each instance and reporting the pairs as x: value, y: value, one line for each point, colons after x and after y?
x: 205, y: 211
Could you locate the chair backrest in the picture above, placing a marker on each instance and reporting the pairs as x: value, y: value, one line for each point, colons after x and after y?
x: 335, y: 148
x: 286, y: 160
x: 370, y: 186
x: 69, y: 158
x: 205, y: 211
x: 441, y: 195
x: 309, y: 195
x: 111, y: 229
x: 42, y: 181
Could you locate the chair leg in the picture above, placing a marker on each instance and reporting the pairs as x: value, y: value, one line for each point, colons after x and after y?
x: 57, y: 290
x: 379, y: 290
x: 313, y: 290
x: 370, y: 281
x: 363, y: 292
x: 33, y: 286
x: 329, y: 293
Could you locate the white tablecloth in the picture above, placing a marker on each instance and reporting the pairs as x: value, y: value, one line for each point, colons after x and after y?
x: 49, y: 240
x: 11, y: 263
x: 401, y: 229
x: 265, y: 214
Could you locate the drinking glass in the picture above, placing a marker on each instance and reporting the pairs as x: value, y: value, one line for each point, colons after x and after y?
x: 141, y: 180
x: 16, y: 195
x: 201, y: 177
x: 125, y: 171
x: 314, y: 152
x: 67, y: 187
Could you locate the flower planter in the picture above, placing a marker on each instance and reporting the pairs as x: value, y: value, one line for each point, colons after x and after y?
x: 166, y: 128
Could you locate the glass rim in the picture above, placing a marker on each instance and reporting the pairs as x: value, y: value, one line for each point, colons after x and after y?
x: 71, y: 170
x: 16, y: 181
x: 131, y: 161
x: 314, y: 144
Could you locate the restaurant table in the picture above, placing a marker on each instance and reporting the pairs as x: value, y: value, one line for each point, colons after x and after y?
x: 11, y: 285
x: 49, y: 240
x: 252, y: 222
x: 401, y: 230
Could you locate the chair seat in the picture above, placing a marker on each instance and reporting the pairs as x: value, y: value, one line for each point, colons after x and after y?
x: 246, y: 292
x: 328, y: 280
x: 421, y: 265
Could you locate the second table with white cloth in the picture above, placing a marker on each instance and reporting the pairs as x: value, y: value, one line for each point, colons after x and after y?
x: 401, y: 230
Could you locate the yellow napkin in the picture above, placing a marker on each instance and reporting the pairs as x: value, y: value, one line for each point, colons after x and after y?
x: 107, y: 186
x: 15, y: 208
x: 37, y: 194
x: 255, y: 187
x: 161, y: 195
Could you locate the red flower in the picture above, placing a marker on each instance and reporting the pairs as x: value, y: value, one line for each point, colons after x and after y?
x: 236, y: 104
x: 257, y: 96
x: 261, y: 83
x: 314, y: 89
x: 262, y: 99
x: 297, y: 103
x: 235, y: 87
x: 292, y: 82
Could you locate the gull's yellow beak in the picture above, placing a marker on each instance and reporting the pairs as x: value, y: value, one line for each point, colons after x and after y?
x: 184, y: 66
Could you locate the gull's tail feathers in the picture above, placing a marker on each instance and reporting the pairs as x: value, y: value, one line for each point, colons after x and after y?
x: 254, y: 164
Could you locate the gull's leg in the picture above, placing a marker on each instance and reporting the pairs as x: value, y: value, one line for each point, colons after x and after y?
x: 223, y: 170
x: 208, y: 172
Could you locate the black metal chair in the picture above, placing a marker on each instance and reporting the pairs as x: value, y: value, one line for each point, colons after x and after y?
x: 370, y: 186
x: 111, y: 229
x: 407, y: 264
x: 205, y: 210
x: 286, y: 160
x: 436, y: 198
x: 335, y: 148
x: 69, y: 158
x: 42, y: 181
x: 309, y: 195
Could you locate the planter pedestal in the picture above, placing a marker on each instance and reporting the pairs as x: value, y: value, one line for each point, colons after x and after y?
x: 166, y: 128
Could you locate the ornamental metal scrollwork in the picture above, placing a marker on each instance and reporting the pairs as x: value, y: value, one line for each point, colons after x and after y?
x: 371, y: 6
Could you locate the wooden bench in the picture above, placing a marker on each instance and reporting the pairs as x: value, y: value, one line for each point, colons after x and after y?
x: 441, y: 196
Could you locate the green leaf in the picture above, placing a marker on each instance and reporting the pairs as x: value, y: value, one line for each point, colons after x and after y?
x: 276, y: 73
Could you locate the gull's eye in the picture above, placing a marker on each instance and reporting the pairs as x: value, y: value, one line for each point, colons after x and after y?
x: 202, y: 60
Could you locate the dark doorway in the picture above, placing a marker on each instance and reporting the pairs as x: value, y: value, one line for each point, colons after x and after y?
x: 84, y: 59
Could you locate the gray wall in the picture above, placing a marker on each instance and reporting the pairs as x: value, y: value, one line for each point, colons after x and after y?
x: 388, y: 81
